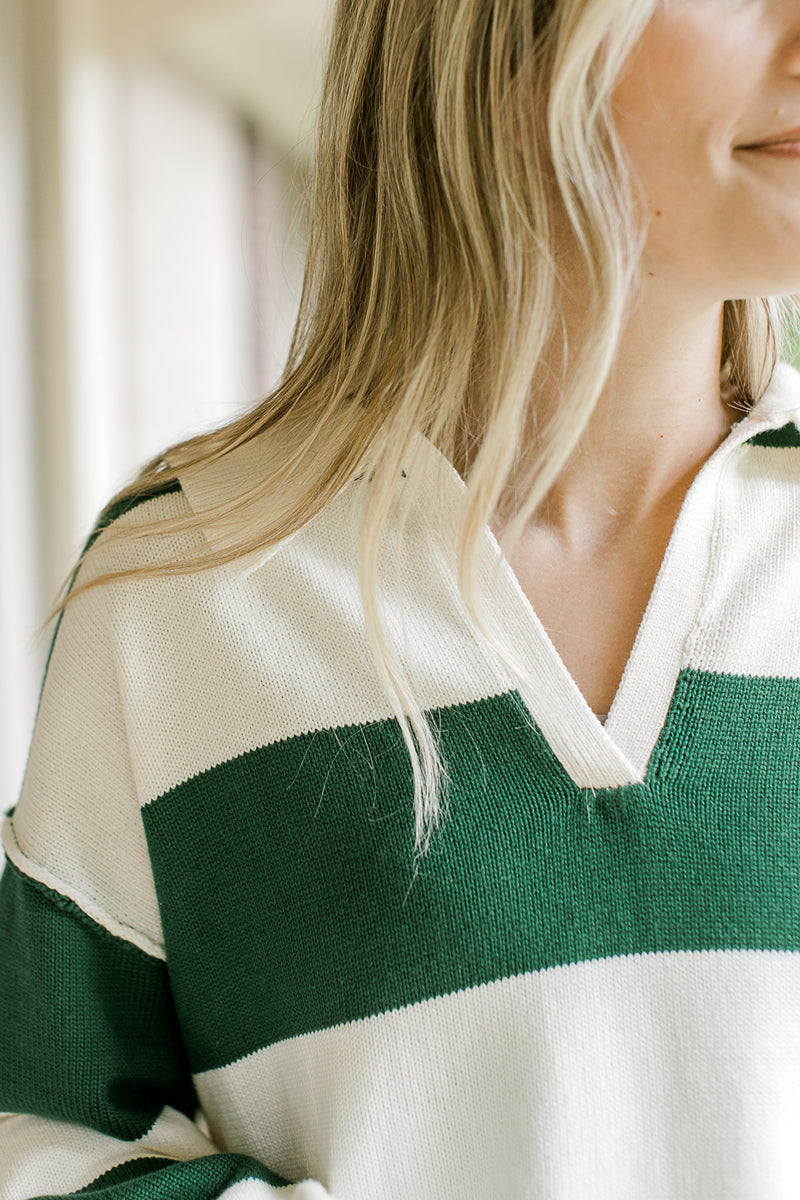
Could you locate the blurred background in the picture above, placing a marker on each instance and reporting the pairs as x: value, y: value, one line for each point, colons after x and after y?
x: 154, y: 174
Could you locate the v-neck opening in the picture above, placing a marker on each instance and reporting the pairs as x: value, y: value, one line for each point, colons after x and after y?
x: 617, y: 752
x: 625, y: 742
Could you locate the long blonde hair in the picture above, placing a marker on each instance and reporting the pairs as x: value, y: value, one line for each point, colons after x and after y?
x: 431, y: 289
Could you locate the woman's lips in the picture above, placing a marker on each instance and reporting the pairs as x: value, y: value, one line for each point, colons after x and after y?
x: 782, y: 149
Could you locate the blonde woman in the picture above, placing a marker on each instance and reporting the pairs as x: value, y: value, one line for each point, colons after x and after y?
x: 412, y: 811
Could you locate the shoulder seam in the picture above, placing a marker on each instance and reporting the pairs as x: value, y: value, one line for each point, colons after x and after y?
x: 114, y: 510
x: 67, y: 896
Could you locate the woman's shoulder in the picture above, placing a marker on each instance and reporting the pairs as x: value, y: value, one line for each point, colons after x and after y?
x: 187, y: 506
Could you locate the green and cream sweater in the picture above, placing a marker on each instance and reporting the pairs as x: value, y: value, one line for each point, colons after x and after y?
x: 220, y: 975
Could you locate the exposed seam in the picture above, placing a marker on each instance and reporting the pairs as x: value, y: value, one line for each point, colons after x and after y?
x: 61, y: 894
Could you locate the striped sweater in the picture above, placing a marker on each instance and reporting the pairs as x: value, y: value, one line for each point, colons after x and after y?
x: 221, y: 974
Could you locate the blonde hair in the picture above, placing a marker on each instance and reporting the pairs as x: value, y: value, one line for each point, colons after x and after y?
x: 432, y: 290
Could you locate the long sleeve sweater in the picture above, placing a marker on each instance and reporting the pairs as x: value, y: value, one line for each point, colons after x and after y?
x: 224, y: 974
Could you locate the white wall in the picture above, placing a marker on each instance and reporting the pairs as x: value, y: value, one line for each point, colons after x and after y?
x: 20, y: 661
x: 152, y: 297
x: 191, y: 355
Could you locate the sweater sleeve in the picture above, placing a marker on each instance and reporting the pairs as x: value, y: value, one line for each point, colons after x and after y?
x: 96, y: 1090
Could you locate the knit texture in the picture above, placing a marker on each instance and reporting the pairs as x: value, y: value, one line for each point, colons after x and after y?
x: 222, y: 971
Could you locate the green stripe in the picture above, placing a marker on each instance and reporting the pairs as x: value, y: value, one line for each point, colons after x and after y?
x: 285, y: 876
x: 125, y: 1172
x: 787, y: 436
x: 88, y: 1031
x: 200, y: 1178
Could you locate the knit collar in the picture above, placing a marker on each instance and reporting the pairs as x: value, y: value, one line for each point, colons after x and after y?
x: 244, y: 467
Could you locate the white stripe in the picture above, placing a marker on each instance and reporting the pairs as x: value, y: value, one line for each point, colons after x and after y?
x: 218, y: 664
x: 751, y: 624
x: 40, y: 1156
x: 659, y: 1075
x: 213, y: 666
x: 78, y: 814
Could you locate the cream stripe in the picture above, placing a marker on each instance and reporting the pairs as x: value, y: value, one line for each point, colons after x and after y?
x: 216, y: 665
x: 42, y: 1156
x: 750, y: 623
x: 61, y: 1159
x: 78, y: 812
x: 658, y: 1075
x: 212, y: 666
